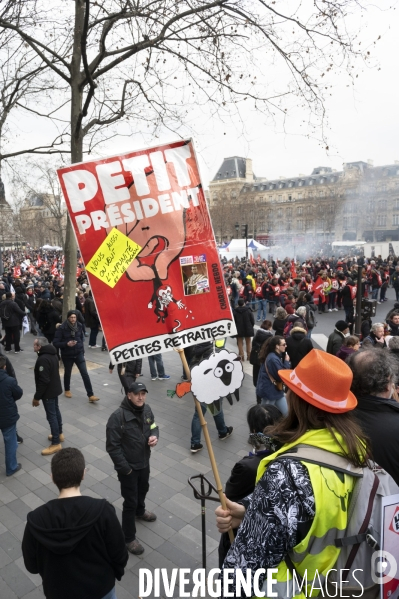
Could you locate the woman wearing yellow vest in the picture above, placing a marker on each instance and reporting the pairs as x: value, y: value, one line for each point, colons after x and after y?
x: 298, y: 508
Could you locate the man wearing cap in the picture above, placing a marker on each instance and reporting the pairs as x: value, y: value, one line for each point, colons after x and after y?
x: 69, y: 339
x: 337, y: 337
x: 131, y: 432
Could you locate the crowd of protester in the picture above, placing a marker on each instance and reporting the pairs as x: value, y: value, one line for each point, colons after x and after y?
x: 343, y: 401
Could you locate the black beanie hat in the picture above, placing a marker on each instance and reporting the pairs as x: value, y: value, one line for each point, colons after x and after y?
x: 71, y: 312
x: 341, y: 325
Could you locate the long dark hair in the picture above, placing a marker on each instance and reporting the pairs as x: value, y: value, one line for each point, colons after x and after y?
x: 269, y: 346
x: 303, y: 416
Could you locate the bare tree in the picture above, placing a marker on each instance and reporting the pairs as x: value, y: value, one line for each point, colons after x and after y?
x: 38, y: 182
x: 151, y: 60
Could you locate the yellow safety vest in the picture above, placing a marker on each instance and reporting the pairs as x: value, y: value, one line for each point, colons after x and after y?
x: 316, y: 554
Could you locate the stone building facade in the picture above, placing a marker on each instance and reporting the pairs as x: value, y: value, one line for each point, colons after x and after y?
x: 8, y: 238
x: 361, y: 203
x: 42, y: 220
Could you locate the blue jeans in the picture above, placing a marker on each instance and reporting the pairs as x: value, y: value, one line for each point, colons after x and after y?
x: 156, y: 364
x: 281, y: 404
x: 262, y: 307
x: 93, y: 335
x: 374, y: 293
x: 53, y: 416
x: 196, y: 426
x: 111, y: 594
x: 10, y: 445
x: 80, y: 362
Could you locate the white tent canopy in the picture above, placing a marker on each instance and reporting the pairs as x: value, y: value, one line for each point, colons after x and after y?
x: 50, y: 247
x: 236, y: 247
x: 348, y: 243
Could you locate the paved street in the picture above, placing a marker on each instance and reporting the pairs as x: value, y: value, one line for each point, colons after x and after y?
x: 174, y: 540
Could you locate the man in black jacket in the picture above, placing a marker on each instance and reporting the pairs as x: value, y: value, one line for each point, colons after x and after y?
x: 48, y: 388
x: 374, y: 375
x: 244, y: 319
x: 69, y: 339
x: 10, y: 392
x: 131, y: 432
x: 75, y: 543
x: 11, y: 316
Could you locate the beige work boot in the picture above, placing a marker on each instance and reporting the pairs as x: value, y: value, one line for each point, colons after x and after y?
x: 62, y: 438
x: 52, y: 449
x: 93, y: 398
x: 68, y: 394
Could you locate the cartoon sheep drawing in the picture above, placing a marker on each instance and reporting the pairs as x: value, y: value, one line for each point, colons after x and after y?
x: 218, y: 376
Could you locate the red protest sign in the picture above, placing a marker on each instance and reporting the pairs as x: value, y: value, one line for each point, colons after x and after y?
x: 144, y: 232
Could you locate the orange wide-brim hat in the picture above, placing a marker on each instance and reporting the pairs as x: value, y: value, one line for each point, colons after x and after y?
x: 323, y: 381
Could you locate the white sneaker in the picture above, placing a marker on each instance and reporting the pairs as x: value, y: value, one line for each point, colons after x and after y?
x: 94, y: 346
x: 335, y: 309
x: 154, y: 378
x: 329, y: 310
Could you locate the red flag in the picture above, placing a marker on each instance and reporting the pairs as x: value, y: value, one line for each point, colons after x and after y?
x: 54, y: 270
x: 293, y: 270
x: 78, y: 271
x: 39, y: 261
x: 16, y: 271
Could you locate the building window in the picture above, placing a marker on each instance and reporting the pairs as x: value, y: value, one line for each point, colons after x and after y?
x: 279, y: 213
x: 300, y: 195
x: 382, y: 205
x: 395, y: 219
x: 381, y: 220
x: 299, y: 225
x: 370, y: 205
x: 299, y: 210
x: 289, y: 212
x: 280, y: 198
x: 396, y: 205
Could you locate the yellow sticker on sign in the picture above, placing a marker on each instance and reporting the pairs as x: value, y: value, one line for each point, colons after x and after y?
x: 113, y: 257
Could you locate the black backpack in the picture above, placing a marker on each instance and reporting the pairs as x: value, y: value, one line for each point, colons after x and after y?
x: 311, y: 319
x: 4, y: 311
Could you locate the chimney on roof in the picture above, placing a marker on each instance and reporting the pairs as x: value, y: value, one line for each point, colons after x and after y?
x: 249, y: 174
x: 370, y: 162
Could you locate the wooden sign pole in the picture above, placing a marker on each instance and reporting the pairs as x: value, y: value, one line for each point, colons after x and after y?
x: 208, y: 441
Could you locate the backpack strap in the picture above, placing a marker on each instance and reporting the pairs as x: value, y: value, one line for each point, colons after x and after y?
x: 321, y: 457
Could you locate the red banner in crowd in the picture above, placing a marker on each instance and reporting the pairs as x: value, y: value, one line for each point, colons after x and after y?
x: 144, y: 232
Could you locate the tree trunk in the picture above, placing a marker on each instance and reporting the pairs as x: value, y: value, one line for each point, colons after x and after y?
x: 76, y: 156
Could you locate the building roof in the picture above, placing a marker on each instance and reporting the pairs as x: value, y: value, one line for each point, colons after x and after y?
x: 232, y: 168
x: 321, y: 176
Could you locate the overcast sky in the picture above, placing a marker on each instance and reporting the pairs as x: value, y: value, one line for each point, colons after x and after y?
x: 363, y: 120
